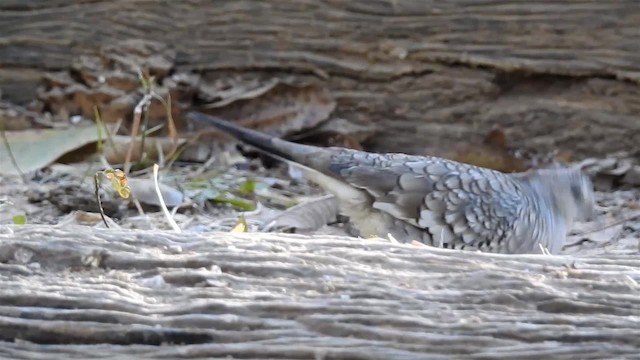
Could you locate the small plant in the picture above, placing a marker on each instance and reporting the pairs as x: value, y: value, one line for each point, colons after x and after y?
x: 119, y: 183
x: 19, y: 219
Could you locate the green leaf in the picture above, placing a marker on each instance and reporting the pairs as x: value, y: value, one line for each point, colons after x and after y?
x: 241, y: 225
x: 19, y: 219
x: 239, y: 203
x: 247, y: 187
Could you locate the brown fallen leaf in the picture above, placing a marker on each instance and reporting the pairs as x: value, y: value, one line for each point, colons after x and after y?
x: 110, y: 81
x: 495, y: 153
x: 492, y: 153
x: 15, y: 118
x: 221, y: 94
x: 86, y: 219
x: 280, y: 111
x: 496, y: 138
x: 337, y: 132
x: 325, y: 139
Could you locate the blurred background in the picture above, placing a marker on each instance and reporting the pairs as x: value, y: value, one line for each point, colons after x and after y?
x: 88, y: 86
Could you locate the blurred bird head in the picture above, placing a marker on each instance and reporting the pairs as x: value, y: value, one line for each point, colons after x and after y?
x: 570, y: 191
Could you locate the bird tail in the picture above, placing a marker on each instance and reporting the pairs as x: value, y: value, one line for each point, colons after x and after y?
x: 316, y: 163
x: 280, y: 149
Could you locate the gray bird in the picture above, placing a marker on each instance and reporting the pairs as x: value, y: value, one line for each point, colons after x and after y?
x: 436, y: 201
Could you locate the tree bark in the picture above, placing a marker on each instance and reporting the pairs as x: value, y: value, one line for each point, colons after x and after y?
x: 81, y: 292
x: 428, y: 73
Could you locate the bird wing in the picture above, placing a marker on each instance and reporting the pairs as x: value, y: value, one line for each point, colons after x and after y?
x: 458, y: 204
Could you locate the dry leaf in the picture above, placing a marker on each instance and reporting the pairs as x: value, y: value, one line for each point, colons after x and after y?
x: 86, y: 219
x: 16, y: 118
x: 491, y: 154
x: 495, y: 153
x: 240, y: 226
x: 37, y: 148
x: 610, y: 172
x: 110, y: 82
x: 218, y: 96
x: 496, y: 138
x: 309, y: 215
x: 282, y: 110
x: 337, y: 132
x: 593, y: 239
x: 616, y: 165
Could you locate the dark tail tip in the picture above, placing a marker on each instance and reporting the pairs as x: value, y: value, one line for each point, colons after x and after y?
x: 251, y: 137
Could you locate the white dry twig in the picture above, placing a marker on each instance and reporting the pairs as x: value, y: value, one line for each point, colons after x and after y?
x: 166, y: 212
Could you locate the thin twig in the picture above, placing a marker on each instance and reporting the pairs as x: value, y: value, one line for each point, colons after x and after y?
x: 166, y: 212
x: 96, y: 183
x: 137, y: 113
x: 14, y: 162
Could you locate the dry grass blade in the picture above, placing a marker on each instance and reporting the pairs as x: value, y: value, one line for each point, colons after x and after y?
x: 137, y: 115
x: 163, y: 206
x: 96, y: 183
x: 5, y: 141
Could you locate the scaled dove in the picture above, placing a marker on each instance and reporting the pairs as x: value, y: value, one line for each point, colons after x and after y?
x: 436, y: 201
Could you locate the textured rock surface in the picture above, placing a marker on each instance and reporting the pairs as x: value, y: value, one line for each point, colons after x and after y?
x: 84, y: 293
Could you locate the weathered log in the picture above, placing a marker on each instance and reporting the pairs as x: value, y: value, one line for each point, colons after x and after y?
x: 86, y: 293
x: 555, y: 75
